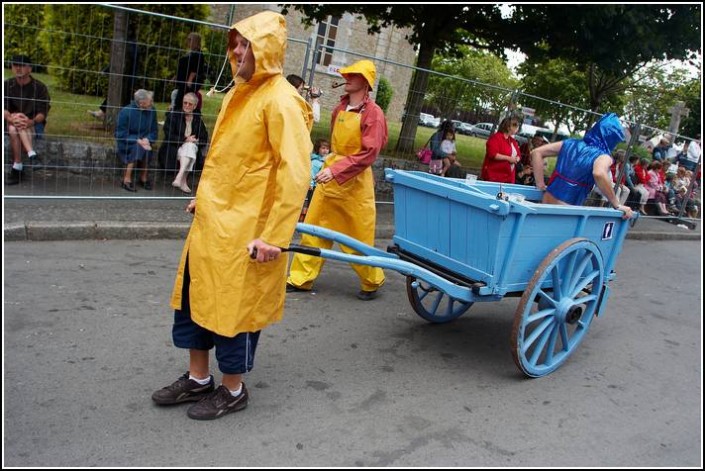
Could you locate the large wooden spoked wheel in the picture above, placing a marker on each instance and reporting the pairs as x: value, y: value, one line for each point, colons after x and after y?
x: 432, y: 304
x: 557, y: 307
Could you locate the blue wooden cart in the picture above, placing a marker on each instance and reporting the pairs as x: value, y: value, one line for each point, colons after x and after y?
x: 460, y: 243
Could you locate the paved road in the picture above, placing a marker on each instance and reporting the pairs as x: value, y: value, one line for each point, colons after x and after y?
x: 344, y: 383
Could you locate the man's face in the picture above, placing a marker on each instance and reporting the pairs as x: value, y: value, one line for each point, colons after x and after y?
x: 244, y: 56
x: 21, y: 70
x: 354, y: 83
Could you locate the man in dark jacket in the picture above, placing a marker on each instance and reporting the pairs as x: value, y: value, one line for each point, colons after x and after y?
x: 26, y: 105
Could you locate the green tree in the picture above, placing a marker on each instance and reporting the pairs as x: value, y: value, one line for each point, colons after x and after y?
x: 78, y: 40
x: 451, y: 95
x: 608, y: 42
x: 161, y: 42
x: 432, y: 29
x: 658, y: 87
x: 20, y: 35
x: 384, y: 94
x: 691, y: 94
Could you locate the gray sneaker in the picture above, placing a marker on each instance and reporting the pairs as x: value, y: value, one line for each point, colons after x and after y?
x: 183, y: 390
x: 219, y: 403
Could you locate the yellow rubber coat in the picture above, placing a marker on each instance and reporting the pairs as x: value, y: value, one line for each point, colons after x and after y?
x: 254, y: 182
x: 348, y: 208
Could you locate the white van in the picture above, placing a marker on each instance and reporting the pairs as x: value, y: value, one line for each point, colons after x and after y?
x: 428, y: 120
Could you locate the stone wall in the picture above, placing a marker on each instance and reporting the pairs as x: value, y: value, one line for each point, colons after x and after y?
x: 389, y: 45
x: 96, y: 159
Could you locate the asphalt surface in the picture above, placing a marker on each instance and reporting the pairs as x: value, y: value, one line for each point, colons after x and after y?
x: 340, y: 382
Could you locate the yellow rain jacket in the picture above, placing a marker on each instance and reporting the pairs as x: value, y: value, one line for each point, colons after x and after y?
x: 253, y: 185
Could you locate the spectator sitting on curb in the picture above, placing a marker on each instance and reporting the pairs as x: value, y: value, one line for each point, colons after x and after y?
x: 135, y: 134
x: 26, y: 105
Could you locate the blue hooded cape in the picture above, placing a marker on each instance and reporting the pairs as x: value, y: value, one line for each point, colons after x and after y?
x: 572, y: 180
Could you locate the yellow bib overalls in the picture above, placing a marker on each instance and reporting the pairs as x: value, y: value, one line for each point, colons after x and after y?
x: 348, y: 208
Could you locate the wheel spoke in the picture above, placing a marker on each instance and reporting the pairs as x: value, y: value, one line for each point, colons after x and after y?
x: 585, y: 299
x: 436, y: 303
x: 540, y: 314
x: 439, y: 308
x: 449, y: 307
x: 536, y: 332
x: 545, y: 336
x: 583, y: 284
x: 563, y: 330
x: 544, y: 295
x: 551, y: 345
x: 422, y: 293
x: 569, y: 267
x: 577, y: 274
x: 556, y: 275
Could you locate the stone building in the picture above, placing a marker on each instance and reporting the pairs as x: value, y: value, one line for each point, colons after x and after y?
x: 348, y: 37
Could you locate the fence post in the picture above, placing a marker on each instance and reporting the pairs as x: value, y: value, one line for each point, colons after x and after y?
x: 305, y: 66
x: 117, y: 67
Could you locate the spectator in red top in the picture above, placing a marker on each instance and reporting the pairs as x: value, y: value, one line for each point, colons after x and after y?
x: 642, y: 178
x: 502, y: 153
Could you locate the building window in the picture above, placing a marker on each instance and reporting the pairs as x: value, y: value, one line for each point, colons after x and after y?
x: 327, y: 32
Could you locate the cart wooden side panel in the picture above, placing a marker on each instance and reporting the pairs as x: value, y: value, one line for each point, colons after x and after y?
x: 466, y: 229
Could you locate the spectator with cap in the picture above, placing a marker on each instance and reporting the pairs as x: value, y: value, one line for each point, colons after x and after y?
x: 26, y: 107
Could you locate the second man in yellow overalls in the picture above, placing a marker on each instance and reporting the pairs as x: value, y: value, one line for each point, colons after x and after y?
x: 344, y: 200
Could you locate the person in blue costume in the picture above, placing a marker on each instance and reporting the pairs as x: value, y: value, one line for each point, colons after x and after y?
x: 581, y: 164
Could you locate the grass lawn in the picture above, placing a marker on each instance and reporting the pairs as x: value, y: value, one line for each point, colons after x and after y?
x: 68, y: 118
x: 471, y: 150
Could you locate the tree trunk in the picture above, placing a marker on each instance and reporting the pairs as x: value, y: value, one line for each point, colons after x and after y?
x: 117, y: 68
x: 414, y: 100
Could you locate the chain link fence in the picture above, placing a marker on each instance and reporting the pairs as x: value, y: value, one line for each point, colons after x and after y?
x: 77, y: 145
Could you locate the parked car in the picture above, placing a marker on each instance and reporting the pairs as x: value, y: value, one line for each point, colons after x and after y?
x: 482, y: 130
x: 464, y: 128
x: 548, y: 134
x: 461, y: 127
x: 428, y: 120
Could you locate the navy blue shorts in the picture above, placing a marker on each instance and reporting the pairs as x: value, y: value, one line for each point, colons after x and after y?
x: 235, y: 355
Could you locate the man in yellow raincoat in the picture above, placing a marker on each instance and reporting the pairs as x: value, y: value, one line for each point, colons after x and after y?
x: 344, y: 200
x: 254, y: 182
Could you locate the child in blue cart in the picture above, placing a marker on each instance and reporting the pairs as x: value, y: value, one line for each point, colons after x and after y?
x: 321, y: 149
